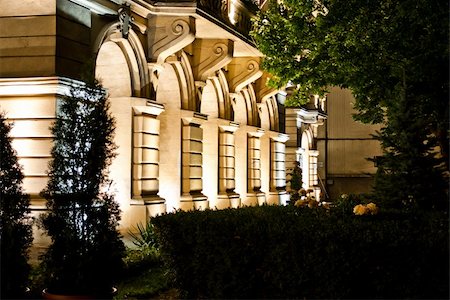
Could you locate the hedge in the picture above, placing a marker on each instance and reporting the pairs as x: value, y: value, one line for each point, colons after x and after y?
x: 290, y: 252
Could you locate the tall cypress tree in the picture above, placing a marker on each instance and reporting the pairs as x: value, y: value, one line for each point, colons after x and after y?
x: 86, y: 252
x: 15, y: 230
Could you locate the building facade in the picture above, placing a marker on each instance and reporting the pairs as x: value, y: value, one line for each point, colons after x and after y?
x: 333, y: 150
x: 196, y: 125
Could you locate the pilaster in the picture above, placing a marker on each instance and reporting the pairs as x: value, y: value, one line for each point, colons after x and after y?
x: 145, y: 186
x: 277, y: 192
x: 192, y: 162
x: 254, y: 194
x: 227, y: 165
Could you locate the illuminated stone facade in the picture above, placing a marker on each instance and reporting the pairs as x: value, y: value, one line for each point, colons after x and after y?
x: 197, y: 127
x: 332, y: 148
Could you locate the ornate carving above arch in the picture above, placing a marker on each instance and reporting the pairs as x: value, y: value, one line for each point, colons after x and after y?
x: 169, y: 34
x: 209, y: 56
x: 242, y: 71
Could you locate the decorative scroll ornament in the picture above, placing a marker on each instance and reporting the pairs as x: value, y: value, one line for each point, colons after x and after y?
x: 125, y: 19
x: 210, y: 55
x: 169, y: 35
x: 242, y: 71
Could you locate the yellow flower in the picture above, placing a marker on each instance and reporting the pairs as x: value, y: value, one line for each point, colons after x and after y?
x: 373, y: 209
x: 360, y: 210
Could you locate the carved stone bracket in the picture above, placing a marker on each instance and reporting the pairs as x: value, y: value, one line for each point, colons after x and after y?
x: 170, y: 35
x: 243, y: 71
x: 263, y: 91
x: 210, y: 55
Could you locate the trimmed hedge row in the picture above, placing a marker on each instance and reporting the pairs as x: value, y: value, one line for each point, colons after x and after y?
x: 289, y: 252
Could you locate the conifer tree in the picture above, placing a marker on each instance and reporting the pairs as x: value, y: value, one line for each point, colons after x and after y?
x: 410, y: 172
x: 86, y: 251
x: 15, y: 230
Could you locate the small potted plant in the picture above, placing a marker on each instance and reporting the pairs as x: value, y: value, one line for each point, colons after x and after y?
x: 15, y: 230
x: 86, y: 252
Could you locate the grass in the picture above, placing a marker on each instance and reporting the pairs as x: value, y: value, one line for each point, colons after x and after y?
x: 148, y: 284
x: 145, y: 276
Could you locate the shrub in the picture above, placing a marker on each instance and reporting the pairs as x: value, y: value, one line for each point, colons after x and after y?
x: 15, y: 230
x: 146, y: 253
x: 290, y: 252
x: 145, y: 275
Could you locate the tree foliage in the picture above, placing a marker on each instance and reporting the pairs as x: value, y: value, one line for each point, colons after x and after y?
x: 393, y: 55
x: 15, y: 229
x: 86, y: 252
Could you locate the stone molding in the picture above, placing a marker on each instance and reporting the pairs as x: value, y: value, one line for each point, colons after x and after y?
x: 152, y: 108
x: 229, y: 127
x: 35, y: 86
x: 279, y: 137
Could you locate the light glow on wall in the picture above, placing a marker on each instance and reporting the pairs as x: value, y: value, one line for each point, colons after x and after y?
x: 232, y: 15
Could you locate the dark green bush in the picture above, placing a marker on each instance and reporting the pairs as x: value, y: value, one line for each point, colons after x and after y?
x: 289, y: 252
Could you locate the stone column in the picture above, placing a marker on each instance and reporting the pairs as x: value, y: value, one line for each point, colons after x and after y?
x: 145, y: 184
x: 192, y: 163
x: 313, y: 179
x: 227, y: 165
x: 254, y: 194
x: 278, y: 193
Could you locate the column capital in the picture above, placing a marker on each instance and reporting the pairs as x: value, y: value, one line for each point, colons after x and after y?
x: 189, y: 117
x: 258, y: 133
x: 280, y: 137
x: 229, y: 127
x: 314, y: 153
x: 151, y: 108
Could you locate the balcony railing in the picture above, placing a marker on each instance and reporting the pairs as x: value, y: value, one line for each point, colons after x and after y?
x: 235, y: 14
